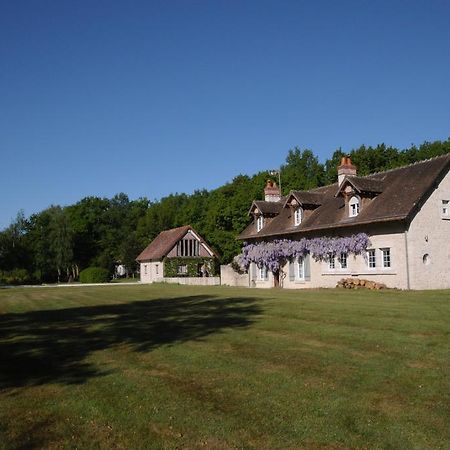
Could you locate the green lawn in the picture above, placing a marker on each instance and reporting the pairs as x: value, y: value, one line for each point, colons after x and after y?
x: 173, y: 367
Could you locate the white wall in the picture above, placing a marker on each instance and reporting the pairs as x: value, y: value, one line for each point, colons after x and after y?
x: 321, y: 276
x: 430, y: 234
x: 152, y: 272
x: 194, y: 281
x: 229, y: 277
x: 395, y: 276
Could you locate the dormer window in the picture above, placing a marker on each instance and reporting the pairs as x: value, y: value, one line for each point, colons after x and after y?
x: 298, y: 216
x: 353, y: 207
x: 259, y: 223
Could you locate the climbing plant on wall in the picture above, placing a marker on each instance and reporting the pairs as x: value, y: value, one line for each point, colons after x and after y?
x: 274, y: 254
x: 192, y: 266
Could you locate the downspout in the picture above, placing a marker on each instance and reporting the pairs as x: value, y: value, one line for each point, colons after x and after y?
x: 408, y: 283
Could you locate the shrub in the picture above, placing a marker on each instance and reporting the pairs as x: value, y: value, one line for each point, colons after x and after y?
x: 15, y: 276
x: 94, y: 275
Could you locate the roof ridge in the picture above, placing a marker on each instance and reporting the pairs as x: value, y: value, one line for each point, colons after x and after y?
x: 422, y: 161
x: 176, y: 228
x: 308, y: 191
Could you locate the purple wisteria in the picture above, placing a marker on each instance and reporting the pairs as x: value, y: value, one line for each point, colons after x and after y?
x: 274, y: 254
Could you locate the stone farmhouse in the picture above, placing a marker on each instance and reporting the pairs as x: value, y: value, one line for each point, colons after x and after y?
x: 404, y: 211
x: 179, y: 255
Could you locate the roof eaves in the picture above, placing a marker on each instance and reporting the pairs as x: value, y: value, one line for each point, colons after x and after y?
x: 396, y: 218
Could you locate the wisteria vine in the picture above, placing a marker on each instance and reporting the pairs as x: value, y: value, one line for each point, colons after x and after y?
x: 274, y: 254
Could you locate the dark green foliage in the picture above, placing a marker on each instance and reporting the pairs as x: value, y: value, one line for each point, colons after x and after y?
x: 13, y: 244
x: 15, y: 276
x: 302, y: 171
x: 56, y: 243
x: 331, y: 165
x: 94, y: 275
x: 192, y: 264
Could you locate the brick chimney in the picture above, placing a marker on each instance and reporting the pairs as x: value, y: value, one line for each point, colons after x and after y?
x: 272, y: 192
x: 345, y: 169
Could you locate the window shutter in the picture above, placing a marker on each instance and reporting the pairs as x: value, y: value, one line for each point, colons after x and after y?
x: 253, y: 270
x: 291, y: 271
x: 307, y: 263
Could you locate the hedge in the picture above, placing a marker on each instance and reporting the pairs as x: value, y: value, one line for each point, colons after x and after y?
x: 94, y: 275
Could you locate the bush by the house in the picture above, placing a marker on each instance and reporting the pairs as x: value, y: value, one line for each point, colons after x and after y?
x: 94, y: 275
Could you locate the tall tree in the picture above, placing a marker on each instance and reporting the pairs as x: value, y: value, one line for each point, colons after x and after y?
x: 61, y: 242
x: 13, y: 244
x: 331, y: 165
x: 302, y: 171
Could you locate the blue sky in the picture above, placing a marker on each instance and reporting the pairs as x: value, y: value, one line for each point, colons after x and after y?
x: 151, y: 98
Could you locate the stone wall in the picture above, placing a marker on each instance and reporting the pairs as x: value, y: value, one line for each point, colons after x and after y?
x: 231, y: 278
x: 193, y: 281
x: 428, y: 241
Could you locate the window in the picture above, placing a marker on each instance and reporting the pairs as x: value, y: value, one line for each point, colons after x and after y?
x: 353, y: 206
x: 426, y: 259
x: 445, y: 209
x: 145, y: 269
x: 157, y: 269
x: 371, y: 260
x: 182, y: 269
x: 298, y: 216
x: 386, y: 257
x: 259, y: 223
x: 331, y: 261
x: 301, y: 268
x: 342, y: 259
x: 262, y: 273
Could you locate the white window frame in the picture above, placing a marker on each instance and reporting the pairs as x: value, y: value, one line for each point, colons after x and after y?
x: 331, y: 262
x: 300, y: 269
x: 343, y: 258
x: 259, y: 223
x: 445, y: 208
x: 371, y: 255
x: 386, y: 258
x: 298, y: 216
x: 182, y: 269
x: 353, y: 206
x: 262, y: 273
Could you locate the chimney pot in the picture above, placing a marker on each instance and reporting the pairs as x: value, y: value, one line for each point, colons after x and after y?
x: 272, y: 192
x: 346, y: 169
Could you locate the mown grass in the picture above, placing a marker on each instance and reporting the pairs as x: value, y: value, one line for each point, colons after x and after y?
x: 168, y: 367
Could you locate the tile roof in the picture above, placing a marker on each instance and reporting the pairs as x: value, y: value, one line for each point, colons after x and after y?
x: 365, y: 184
x: 267, y: 207
x: 165, y: 241
x: 308, y: 197
x: 400, y: 191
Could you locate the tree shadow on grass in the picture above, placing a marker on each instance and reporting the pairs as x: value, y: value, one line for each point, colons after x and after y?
x: 47, y: 346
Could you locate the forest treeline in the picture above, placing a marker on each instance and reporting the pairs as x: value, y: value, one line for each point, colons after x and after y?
x: 58, y: 242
